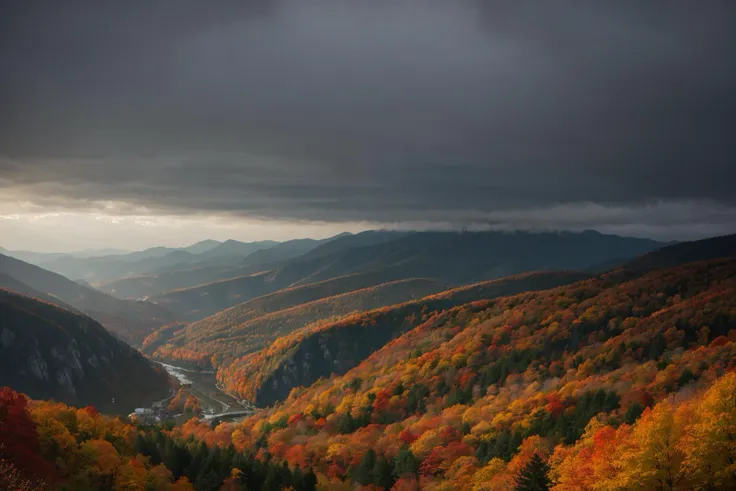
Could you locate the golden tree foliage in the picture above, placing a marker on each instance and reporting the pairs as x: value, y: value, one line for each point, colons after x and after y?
x: 683, y: 446
x: 472, y: 392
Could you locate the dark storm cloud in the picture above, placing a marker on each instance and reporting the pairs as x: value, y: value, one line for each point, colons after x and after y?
x: 386, y: 111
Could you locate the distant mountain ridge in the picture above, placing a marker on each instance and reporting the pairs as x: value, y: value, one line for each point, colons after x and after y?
x: 202, y: 246
x: 450, y: 258
x: 682, y: 252
x: 197, y: 274
x: 104, y: 268
x: 129, y: 320
x: 463, y: 257
x: 7, y: 282
x: 235, y: 248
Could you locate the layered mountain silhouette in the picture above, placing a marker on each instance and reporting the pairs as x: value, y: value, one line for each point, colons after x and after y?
x: 380, y: 257
x: 131, y: 321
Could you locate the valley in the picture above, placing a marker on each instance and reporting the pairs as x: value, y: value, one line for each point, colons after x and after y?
x: 214, y: 401
x: 404, y: 372
x: 288, y: 245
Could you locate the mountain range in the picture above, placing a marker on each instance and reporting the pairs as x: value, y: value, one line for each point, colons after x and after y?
x: 106, y: 268
x: 129, y: 320
x: 399, y: 360
x: 450, y: 258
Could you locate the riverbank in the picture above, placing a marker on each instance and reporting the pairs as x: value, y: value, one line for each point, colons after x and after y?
x: 215, y: 402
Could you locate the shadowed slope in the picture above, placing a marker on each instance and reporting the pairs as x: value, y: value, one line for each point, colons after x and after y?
x: 48, y: 352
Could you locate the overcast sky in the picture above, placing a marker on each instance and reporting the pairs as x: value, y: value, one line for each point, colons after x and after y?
x: 129, y: 124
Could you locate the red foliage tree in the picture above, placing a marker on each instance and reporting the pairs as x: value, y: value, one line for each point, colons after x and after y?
x: 18, y: 437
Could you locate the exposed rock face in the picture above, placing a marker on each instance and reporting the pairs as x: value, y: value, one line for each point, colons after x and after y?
x: 64, y: 377
x: 49, y: 352
x: 6, y: 338
x: 37, y: 365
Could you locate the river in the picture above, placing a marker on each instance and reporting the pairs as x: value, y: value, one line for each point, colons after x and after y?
x: 215, y: 402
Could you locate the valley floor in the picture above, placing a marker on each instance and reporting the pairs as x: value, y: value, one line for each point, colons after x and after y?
x: 214, y: 401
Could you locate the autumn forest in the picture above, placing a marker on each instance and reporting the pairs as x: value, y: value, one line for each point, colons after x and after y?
x: 620, y: 378
x: 387, y: 245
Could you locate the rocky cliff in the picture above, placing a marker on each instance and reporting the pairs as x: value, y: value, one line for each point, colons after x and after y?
x: 52, y: 353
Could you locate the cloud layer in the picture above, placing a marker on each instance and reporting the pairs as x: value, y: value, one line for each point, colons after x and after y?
x: 466, y: 112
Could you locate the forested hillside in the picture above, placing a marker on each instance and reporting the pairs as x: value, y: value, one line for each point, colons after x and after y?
x: 322, y: 348
x: 623, y: 380
x: 460, y: 258
x: 450, y: 257
x: 208, y: 270
x: 129, y: 320
x: 47, y: 445
x: 146, y: 285
x: 235, y: 332
x: 684, y: 252
x: 469, y: 395
x: 9, y: 283
x: 52, y: 353
x: 201, y: 301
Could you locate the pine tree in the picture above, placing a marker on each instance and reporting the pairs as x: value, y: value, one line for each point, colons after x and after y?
x: 382, y: 473
x: 346, y: 424
x: 198, y: 461
x: 273, y: 479
x: 286, y: 476
x: 140, y: 445
x: 310, y: 480
x: 406, y: 462
x: 611, y: 402
x: 501, y: 447
x: 297, y: 478
x: 533, y: 477
x: 365, y: 469
x: 633, y: 413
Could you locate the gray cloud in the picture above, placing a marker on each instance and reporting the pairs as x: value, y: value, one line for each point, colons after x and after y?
x: 387, y: 111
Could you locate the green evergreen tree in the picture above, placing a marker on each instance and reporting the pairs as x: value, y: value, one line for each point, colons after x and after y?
x: 382, y: 473
x: 207, y: 480
x: 140, y: 445
x: 633, y: 413
x: 534, y: 476
x: 685, y: 377
x: 405, y: 463
x: 310, y: 480
x: 364, y: 474
x: 657, y: 347
x: 273, y: 479
x: 501, y: 447
x: 297, y: 478
x: 286, y: 476
x: 514, y: 444
x: 611, y: 402
x: 346, y: 423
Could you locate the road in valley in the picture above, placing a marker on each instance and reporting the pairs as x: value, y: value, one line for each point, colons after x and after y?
x: 215, y: 402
